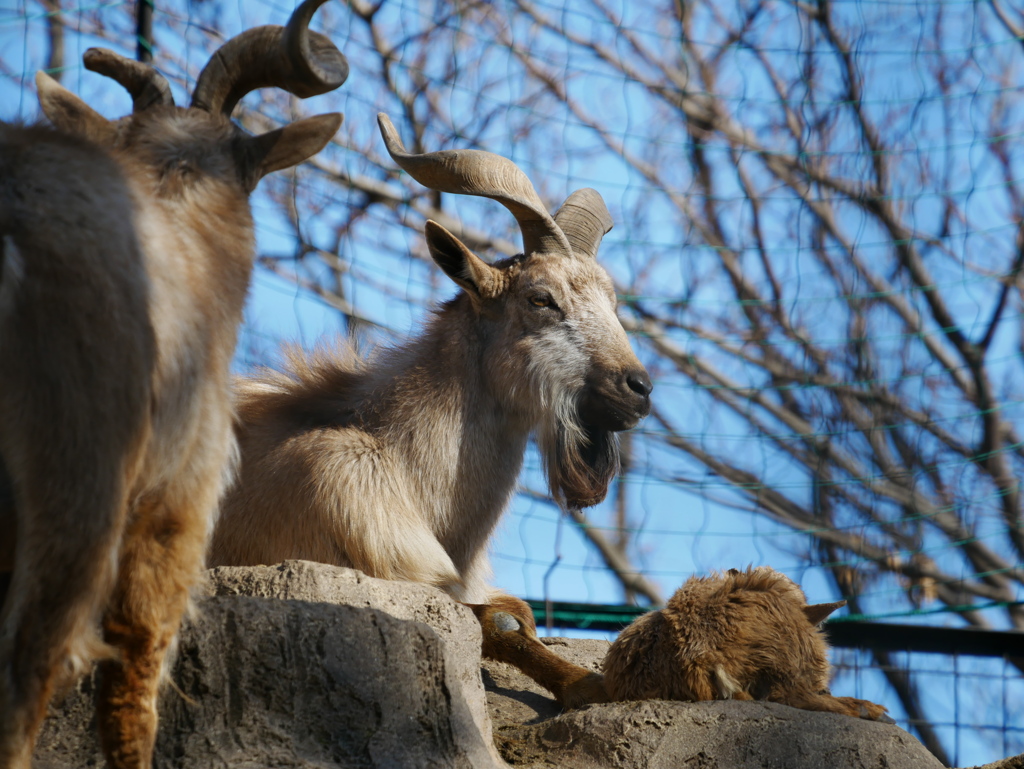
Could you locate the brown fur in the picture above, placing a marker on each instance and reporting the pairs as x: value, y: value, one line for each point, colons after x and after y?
x: 510, y: 636
x: 126, y: 254
x: 745, y: 635
x: 401, y: 466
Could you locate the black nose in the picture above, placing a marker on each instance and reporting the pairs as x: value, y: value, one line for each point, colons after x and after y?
x: 639, y: 382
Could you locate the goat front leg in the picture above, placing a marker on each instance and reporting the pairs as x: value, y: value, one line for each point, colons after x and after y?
x: 825, y: 702
x: 509, y: 635
x: 161, y: 560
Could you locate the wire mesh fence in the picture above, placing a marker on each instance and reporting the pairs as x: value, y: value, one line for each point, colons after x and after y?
x: 817, y: 251
x: 972, y: 710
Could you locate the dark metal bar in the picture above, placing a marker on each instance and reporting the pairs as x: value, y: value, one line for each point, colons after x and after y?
x: 144, y: 31
x: 55, y: 28
x: 923, y: 638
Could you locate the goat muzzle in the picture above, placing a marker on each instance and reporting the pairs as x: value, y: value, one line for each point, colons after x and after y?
x: 616, y: 400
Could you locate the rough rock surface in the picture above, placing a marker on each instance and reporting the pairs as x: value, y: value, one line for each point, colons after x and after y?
x: 389, y: 680
x: 453, y: 625
x: 531, y: 732
x: 1013, y: 762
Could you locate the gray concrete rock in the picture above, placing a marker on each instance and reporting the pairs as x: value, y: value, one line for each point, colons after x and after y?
x: 454, y: 625
x: 304, y: 682
x: 305, y: 665
x: 531, y: 732
x: 1013, y: 762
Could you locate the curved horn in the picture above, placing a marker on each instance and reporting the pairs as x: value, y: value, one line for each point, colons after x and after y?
x: 146, y: 86
x: 584, y: 219
x: 301, y: 62
x: 475, y: 172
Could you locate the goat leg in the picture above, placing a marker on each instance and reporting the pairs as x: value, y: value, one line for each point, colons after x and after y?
x: 826, y: 703
x: 161, y: 560
x: 509, y: 635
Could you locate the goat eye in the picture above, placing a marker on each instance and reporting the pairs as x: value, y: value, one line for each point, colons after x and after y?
x: 541, y: 300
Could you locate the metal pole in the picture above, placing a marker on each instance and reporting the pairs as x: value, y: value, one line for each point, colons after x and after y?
x: 144, y: 31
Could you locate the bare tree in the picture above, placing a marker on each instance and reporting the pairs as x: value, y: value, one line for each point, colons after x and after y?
x: 850, y: 290
x: 854, y: 270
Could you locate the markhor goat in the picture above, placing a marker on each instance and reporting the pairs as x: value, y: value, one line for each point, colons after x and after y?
x: 401, y: 467
x: 126, y: 252
x: 743, y: 635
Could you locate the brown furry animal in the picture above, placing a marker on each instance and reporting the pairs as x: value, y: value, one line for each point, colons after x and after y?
x: 744, y: 635
x: 125, y: 253
x: 401, y: 466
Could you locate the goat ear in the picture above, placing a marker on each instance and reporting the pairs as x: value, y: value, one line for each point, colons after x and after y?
x: 817, y: 612
x: 69, y: 113
x: 289, y: 145
x: 460, y: 264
